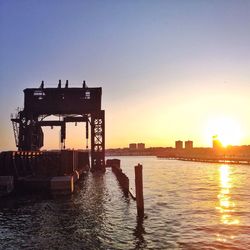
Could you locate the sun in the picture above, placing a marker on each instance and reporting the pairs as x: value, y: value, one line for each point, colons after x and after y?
x: 227, y: 130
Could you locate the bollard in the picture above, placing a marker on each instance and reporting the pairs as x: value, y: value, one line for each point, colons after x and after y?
x: 139, y: 191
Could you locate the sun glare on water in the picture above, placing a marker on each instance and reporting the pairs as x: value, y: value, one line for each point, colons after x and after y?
x: 227, y: 130
x: 226, y: 205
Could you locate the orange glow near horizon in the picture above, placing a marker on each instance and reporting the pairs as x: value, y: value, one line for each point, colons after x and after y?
x: 228, y: 130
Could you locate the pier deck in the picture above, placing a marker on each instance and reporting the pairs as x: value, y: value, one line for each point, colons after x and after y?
x: 52, y: 171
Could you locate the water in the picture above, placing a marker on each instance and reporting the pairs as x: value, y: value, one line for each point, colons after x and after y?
x: 188, y: 206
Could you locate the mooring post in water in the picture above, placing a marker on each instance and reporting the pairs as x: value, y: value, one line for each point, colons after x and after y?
x: 139, y: 190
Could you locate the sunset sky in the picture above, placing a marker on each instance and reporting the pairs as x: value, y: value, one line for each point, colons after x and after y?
x: 169, y: 69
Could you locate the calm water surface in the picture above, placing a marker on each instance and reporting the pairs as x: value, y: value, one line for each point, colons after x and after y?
x: 188, y: 206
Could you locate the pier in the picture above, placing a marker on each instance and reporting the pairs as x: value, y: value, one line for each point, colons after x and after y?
x: 29, y: 168
x: 54, y: 172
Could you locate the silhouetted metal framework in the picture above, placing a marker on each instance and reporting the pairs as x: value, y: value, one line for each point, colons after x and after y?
x: 69, y: 105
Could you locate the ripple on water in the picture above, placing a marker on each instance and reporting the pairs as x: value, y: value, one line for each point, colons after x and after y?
x: 181, y: 201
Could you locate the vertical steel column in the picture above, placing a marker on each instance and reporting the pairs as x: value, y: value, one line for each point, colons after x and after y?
x: 98, y: 141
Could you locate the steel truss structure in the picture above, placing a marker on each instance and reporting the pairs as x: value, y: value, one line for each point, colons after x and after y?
x: 67, y: 105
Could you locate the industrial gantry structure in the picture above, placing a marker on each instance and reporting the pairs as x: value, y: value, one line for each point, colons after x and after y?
x: 65, y: 104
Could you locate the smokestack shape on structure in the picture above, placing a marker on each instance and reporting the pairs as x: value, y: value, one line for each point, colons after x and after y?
x: 59, y: 84
x: 42, y: 85
x: 84, y: 84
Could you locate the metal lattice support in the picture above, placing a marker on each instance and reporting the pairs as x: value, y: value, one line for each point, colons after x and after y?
x: 73, y: 105
x: 16, y: 131
x: 98, y: 141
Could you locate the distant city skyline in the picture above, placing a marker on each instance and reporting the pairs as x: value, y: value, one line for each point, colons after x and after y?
x: 168, y: 69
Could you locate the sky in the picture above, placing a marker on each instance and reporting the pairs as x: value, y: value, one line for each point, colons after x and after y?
x: 168, y: 69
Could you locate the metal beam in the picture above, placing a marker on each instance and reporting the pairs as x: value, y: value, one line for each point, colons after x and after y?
x: 76, y: 119
x: 98, y: 141
x: 50, y: 123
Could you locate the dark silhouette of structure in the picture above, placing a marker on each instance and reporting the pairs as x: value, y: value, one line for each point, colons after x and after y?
x: 69, y: 105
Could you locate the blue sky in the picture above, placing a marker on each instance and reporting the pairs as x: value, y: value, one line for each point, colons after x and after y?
x: 162, y: 64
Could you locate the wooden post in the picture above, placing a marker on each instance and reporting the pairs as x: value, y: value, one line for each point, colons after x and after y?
x: 139, y: 191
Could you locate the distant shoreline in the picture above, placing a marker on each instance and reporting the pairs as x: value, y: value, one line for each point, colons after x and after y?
x: 226, y: 160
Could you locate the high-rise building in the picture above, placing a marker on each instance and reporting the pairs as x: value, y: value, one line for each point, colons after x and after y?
x: 188, y: 144
x: 140, y: 145
x: 132, y: 146
x: 179, y: 144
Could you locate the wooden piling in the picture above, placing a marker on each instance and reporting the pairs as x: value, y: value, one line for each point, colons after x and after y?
x: 139, y: 191
x: 122, y: 179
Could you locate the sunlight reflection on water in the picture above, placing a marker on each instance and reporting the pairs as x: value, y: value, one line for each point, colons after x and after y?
x: 226, y: 204
x: 188, y: 206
